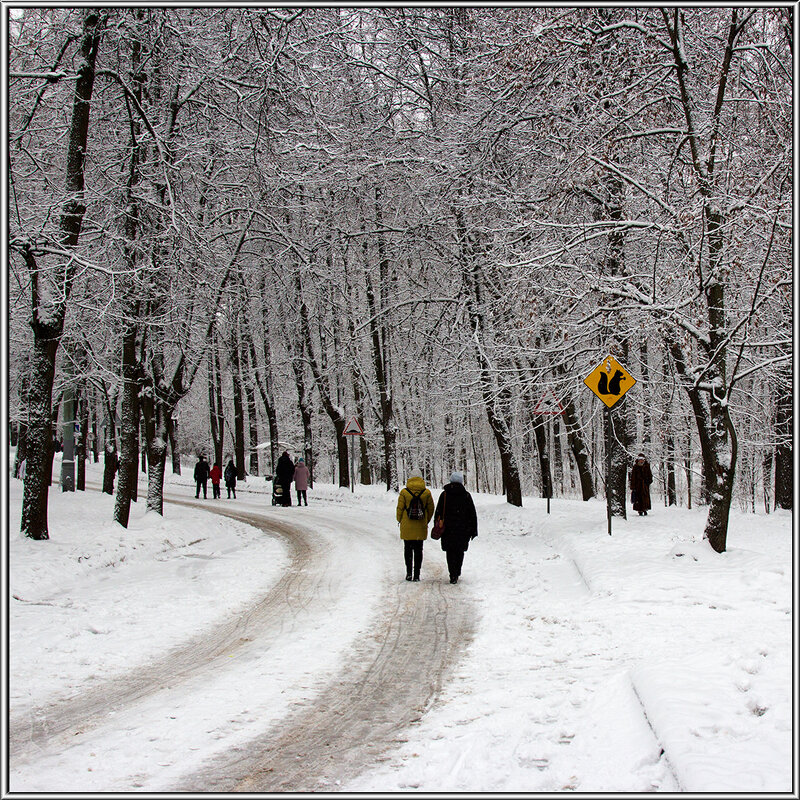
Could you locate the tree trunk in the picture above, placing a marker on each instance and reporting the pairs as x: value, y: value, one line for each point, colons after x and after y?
x: 157, y: 421
x: 110, y: 458
x: 250, y: 397
x: 215, y: 400
x: 52, y: 306
x: 544, y: 456
x: 380, y: 345
x: 39, y: 464
x: 22, y: 433
x: 304, y: 404
x: 174, y: 446
x: 363, y: 473
x: 238, y: 410
x: 718, y: 448
x: 617, y: 476
x: 80, y: 446
x: 784, y: 467
x: 128, y: 479
x: 265, y: 386
x: 493, y: 396
x: 335, y: 413
x: 577, y: 446
x: 672, y: 494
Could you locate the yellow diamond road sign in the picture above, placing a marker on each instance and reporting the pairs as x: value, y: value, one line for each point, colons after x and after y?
x: 609, y: 380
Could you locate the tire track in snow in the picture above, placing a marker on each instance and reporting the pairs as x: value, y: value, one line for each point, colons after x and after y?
x: 392, y: 677
x: 290, y: 597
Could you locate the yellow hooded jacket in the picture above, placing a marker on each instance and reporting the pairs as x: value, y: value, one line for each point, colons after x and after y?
x: 414, y: 528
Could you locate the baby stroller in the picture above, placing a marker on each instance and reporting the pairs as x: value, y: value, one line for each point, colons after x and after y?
x: 277, y: 492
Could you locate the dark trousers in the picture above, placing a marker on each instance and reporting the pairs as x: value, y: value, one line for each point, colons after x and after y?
x: 204, y: 486
x: 413, y: 556
x: 231, y: 487
x: 455, y: 558
x: 301, y: 494
x: 287, y: 493
x: 215, y: 489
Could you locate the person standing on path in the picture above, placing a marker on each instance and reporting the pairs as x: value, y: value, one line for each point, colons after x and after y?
x: 216, y: 477
x: 285, y: 472
x: 641, y: 477
x: 301, y: 481
x: 457, y: 510
x: 230, y: 478
x: 201, y: 473
x: 414, y: 512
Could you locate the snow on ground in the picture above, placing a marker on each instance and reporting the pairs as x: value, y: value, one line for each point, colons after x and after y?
x: 637, y: 662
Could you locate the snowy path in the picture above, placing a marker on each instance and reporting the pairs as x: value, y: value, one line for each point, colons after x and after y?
x: 387, y: 683
x: 340, y: 712
x: 557, y: 707
x: 35, y: 726
x: 195, y: 652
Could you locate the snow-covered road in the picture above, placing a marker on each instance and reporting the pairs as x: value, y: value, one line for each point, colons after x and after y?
x: 268, y: 649
x: 319, y: 722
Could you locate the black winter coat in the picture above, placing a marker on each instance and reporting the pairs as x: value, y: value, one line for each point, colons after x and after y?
x: 285, y: 470
x: 201, y: 471
x: 641, y: 477
x: 230, y: 474
x: 460, y: 518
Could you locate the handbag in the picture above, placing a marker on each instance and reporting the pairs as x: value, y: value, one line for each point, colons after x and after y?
x: 438, y: 523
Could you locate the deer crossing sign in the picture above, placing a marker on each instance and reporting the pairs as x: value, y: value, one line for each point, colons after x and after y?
x: 609, y: 380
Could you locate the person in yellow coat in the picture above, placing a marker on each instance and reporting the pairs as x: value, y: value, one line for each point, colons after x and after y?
x: 414, y: 512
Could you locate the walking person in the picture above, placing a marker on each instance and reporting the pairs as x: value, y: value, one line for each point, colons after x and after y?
x: 301, y: 481
x: 201, y: 473
x: 285, y: 473
x: 230, y: 479
x: 414, y: 512
x: 457, y: 510
x: 641, y: 477
x: 216, y: 477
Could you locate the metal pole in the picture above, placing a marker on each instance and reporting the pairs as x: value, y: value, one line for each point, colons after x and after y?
x: 68, y: 442
x: 352, y: 468
x: 608, y: 468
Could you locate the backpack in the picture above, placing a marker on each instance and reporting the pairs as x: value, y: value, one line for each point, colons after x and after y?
x: 415, y: 509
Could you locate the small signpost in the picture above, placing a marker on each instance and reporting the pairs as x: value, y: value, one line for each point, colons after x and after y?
x: 352, y: 429
x: 609, y: 380
x: 549, y: 405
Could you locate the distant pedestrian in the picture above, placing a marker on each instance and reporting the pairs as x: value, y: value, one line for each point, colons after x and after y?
x: 301, y: 481
x: 230, y: 478
x: 21, y: 470
x: 216, y: 477
x: 641, y: 477
x: 457, y: 510
x: 201, y: 473
x: 414, y: 512
x: 285, y: 473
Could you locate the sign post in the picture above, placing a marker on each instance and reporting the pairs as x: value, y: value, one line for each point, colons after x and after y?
x: 352, y: 429
x: 609, y: 380
x: 548, y: 405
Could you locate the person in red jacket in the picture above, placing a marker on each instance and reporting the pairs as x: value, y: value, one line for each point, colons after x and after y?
x: 216, y: 477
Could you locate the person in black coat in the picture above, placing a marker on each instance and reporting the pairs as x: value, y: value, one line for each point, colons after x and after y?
x: 230, y: 479
x: 285, y: 472
x: 456, y: 508
x: 641, y: 477
x: 201, y: 472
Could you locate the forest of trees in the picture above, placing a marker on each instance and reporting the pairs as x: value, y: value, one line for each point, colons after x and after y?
x: 232, y: 227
